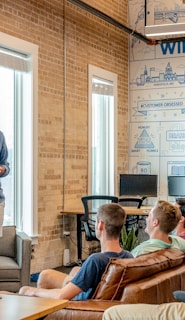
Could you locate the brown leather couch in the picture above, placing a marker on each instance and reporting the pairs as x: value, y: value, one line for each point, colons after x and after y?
x: 149, y: 279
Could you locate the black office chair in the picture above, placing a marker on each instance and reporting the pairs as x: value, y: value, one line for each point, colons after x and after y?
x: 91, y: 204
x: 131, y: 220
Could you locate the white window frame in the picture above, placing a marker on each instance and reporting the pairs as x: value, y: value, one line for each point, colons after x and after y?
x: 94, y: 71
x: 28, y: 221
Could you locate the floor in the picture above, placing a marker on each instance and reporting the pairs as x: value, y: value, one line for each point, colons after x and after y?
x: 34, y: 277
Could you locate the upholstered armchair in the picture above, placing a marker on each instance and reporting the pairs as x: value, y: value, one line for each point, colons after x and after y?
x: 15, y: 259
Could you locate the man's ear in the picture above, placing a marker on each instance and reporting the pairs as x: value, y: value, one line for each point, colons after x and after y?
x: 155, y: 222
x: 100, y: 225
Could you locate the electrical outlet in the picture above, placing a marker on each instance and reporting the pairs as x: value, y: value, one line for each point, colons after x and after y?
x: 66, y: 233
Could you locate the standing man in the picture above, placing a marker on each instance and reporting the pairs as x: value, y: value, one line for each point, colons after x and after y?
x: 4, y: 171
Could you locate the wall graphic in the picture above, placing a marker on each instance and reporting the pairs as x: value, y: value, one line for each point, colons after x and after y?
x: 157, y: 97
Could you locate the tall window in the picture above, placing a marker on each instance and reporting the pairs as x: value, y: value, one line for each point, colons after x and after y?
x: 18, y: 121
x: 7, y: 127
x: 102, y: 131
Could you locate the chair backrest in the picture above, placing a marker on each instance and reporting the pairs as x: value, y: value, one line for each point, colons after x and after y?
x: 91, y: 204
x: 131, y: 220
x: 131, y: 202
x: 8, y: 242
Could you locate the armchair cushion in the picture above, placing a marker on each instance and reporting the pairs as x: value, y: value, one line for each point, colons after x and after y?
x: 9, y: 269
x: 8, y: 243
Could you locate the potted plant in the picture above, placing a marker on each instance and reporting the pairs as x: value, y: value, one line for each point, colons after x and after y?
x: 129, y: 240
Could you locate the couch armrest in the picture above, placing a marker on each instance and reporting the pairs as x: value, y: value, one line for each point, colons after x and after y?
x: 23, y: 256
x: 94, y: 305
x: 87, y: 309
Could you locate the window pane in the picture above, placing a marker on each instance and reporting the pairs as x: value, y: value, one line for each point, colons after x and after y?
x: 102, y: 144
x: 19, y: 106
x: 7, y: 127
x: 102, y: 105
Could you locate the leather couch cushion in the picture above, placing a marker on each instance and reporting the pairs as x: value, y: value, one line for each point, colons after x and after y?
x: 156, y: 289
x: 120, y: 272
x: 8, y: 242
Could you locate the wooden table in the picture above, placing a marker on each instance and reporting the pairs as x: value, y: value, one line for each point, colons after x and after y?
x: 17, y: 307
x: 143, y: 211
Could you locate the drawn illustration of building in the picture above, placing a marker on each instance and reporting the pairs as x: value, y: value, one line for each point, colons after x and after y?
x: 162, y: 77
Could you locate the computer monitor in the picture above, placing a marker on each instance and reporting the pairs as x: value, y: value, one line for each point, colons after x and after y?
x: 176, y: 186
x: 144, y: 185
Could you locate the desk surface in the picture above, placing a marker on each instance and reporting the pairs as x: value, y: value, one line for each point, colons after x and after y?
x: 143, y: 211
x: 17, y: 307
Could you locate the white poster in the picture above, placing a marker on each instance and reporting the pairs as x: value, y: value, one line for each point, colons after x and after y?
x: 157, y: 96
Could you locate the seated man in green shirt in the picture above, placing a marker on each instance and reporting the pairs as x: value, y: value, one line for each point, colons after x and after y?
x: 161, y: 221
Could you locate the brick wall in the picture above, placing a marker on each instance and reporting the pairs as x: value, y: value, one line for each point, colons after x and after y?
x: 69, y: 39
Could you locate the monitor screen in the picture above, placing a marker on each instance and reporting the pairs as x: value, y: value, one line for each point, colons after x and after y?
x: 138, y: 185
x: 176, y: 186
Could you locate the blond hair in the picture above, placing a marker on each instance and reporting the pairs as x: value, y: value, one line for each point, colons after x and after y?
x: 167, y: 214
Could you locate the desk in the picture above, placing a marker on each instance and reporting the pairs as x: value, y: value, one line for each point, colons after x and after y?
x: 17, y: 307
x: 132, y: 211
x: 143, y: 211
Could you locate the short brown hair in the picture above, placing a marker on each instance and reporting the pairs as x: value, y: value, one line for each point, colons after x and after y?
x: 113, y: 216
x: 167, y: 214
x: 181, y: 203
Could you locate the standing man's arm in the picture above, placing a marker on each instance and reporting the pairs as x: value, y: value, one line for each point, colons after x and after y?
x: 4, y: 165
